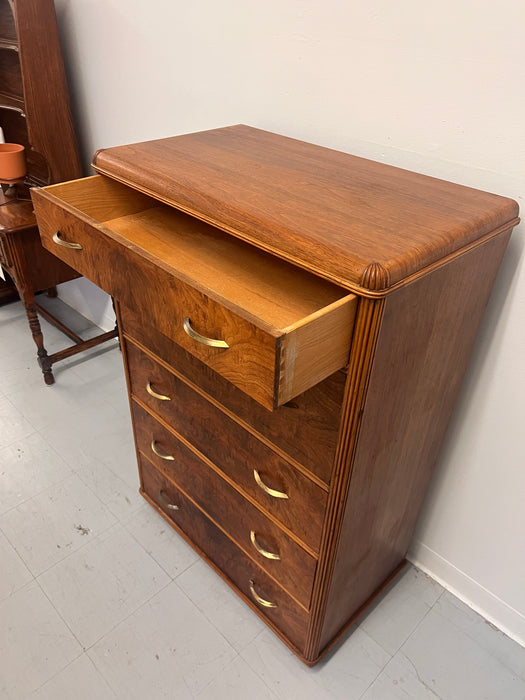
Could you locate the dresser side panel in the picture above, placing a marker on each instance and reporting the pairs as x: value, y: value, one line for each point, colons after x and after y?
x: 426, y: 338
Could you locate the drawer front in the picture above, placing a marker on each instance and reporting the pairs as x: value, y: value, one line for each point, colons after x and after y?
x: 240, y: 571
x: 259, y: 537
x: 306, y: 428
x: 268, y: 363
x: 234, y: 450
x: 142, y: 283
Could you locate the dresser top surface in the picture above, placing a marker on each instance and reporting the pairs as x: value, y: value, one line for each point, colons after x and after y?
x: 360, y: 223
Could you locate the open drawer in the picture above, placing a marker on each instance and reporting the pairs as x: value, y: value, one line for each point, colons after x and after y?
x: 270, y: 328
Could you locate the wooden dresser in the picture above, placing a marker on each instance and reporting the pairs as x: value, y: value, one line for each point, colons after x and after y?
x: 295, y: 323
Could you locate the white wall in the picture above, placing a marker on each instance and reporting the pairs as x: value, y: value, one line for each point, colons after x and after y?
x: 437, y: 87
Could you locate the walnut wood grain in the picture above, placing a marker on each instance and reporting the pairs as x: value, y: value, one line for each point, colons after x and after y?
x: 325, y: 210
x: 230, y: 448
x: 287, y: 619
x: 426, y: 338
x: 304, y: 431
x: 228, y: 509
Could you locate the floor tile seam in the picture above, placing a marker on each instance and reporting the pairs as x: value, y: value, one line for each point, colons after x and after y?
x: 256, y: 671
x: 79, y: 548
x: 421, y: 622
x: 39, y: 493
x: 34, y: 576
x: 390, y: 655
x: 212, y: 680
x: 114, y: 690
x: 15, y: 590
x: 473, y: 639
x: 398, y: 647
x: 28, y: 421
x: 63, y: 620
x: 136, y: 485
x: 54, y: 486
x: 201, y: 611
x: 18, y: 590
x: 172, y: 578
x: 130, y: 613
x: 416, y: 672
x: 273, y: 694
x: 112, y: 473
x: 18, y: 439
x: 48, y: 680
x: 100, y: 501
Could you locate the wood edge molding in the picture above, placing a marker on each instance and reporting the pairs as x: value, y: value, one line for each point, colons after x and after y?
x: 375, y: 273
x: 368, y: 324
x: 375, y: 277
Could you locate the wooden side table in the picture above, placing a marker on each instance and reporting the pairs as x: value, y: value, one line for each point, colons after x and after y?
x: 34, y: 269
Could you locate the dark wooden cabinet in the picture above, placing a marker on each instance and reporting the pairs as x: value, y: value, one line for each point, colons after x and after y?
x: 35, y: 112
x: 295, y: 324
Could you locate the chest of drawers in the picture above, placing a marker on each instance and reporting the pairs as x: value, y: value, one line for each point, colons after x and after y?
x: 295, y: 325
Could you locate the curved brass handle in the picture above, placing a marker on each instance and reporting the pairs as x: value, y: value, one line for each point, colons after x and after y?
x: 267, y: 489
x: 264, y: 552
x: 151, y: 392
x: 162, y: 455
x: 258, y: 599
x: 211, y: 342
x: 165, y: 503
x: 65, y: 244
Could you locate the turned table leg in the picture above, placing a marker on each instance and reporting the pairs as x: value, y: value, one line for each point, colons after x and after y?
x: 36, y: 331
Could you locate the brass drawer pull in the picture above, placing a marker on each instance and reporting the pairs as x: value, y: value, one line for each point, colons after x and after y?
x: 267, y: 489
x: 264, y: 552
x: 165, y: 503
x: 65, y: 244
x: 162, y: 455
x: 258, y: 599
x: 151, y: 392
x: 211, y: 342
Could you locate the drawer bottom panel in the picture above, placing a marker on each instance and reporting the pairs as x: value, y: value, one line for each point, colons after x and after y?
x: 287, y: 618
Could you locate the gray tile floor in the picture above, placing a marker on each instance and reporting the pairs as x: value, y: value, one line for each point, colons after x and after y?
x: 99, y: 599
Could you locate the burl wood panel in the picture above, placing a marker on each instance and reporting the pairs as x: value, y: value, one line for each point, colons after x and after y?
x: 426, y: 337
x: 288, y: 620
x: 304, y: 430
x: 228, y: 508
x: 327, y: 211
x: 230, y: 448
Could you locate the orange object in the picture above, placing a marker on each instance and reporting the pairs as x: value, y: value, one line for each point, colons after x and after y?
x: 12, y: 162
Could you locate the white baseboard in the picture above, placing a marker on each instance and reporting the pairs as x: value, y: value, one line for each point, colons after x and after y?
x: 510, y: 621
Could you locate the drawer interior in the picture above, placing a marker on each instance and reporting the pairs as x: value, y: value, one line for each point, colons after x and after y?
x: 265, y: 286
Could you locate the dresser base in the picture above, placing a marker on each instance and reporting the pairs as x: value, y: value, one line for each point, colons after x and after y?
x: 338, y: 638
